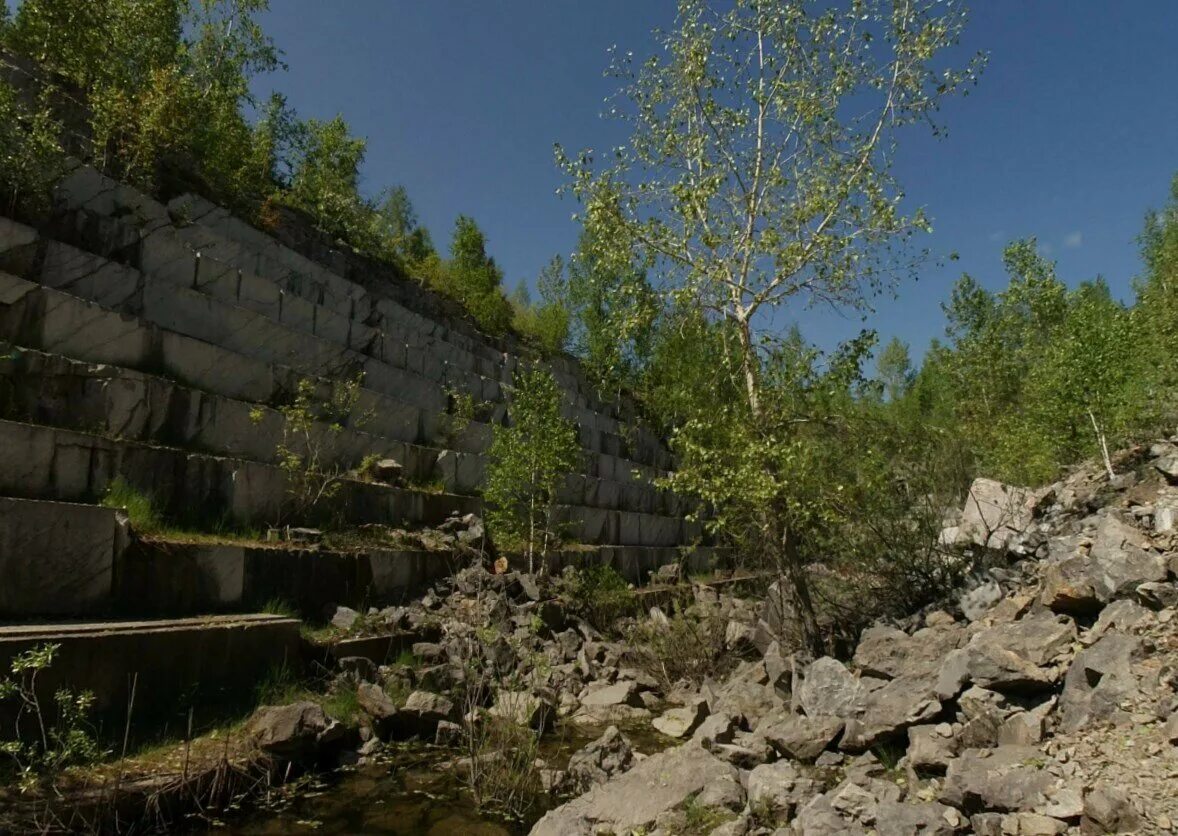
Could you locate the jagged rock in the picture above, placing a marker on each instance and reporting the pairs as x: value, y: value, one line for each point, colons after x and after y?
x: 1068, y: 587
x: 746, y: 751
x: 344, y: 618
x: 609, y: 755
x: 819, y: 818
x: 801, y: 738
x: 990, y: 667
x: 387, y: 470
x: 1025, y: 728
x: 860, y: 801
x: 780, y: 787
x: 977, y: 602
x: 375, y: 702
x: 635, y: 799
x: 738, y: 637
x: 829, y: 690
x: 420, y: 715
x: 894, y: 818
x: 1005, y: 779
x: 1168, y: 467
x: 887, y: 652
x: 717, y: 728
x: 1108, y: 809
x: 930, y: 748
x: 1171, y: 730
x: 292, y: 732
x: 622, y: 692
x: 524, y: 708
x: 357, y: 669
x: 1098, y: 680
x: 994, y: 514
x: 681, y: 722
x: 890, y: 710
x: 1016, y: 824
x: 1158, y: 596
x: 448, y: 733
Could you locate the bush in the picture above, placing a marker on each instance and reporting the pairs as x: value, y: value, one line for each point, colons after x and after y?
x: 527, y: 463
x: 597, y: 594
x: 59, y: 738
x: 684, y: 647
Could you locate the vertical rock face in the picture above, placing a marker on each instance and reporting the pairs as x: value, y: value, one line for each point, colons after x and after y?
x: 56, y: 558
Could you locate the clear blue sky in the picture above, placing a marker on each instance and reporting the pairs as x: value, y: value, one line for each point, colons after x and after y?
x: 1071, y: 135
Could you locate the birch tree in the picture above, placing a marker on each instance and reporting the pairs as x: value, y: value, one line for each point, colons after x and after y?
x: 759, y: 178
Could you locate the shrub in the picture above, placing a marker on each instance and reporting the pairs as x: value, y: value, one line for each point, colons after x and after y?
x: 527, y: 463
x: 598, y: 594
x: 682, y: 647
x: 60, y: 737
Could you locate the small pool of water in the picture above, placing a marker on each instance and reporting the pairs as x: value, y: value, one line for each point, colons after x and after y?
x: 407, y: 792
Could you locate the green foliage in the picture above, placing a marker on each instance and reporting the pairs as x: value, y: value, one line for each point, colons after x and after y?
x: 145, y: 516
x: 527, y: 463
x: 31, y: 157
x: 688, y: 645
x: 598, y: 594
x: 326, y: 179
x: 60, y: 736
x: 310, y: 425
x: 895, y: 369
x: 545, y: 324
x: 471, y: 277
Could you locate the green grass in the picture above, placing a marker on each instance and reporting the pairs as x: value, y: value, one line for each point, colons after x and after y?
x: 341, y: 704
x: 279, y: 686
x: 279, y: 606
x: 140, y: 507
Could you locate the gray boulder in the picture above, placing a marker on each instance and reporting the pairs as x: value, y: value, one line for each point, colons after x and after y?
x: 291, y: 732
x: 830, y: 690
x: 609, y: 755
x: 995, y: 514
x: 681, y: 722
x: 801, y: 738
x: 780, y: 787
x: 1099, y: 679
x: 1108, y: 809
x: 1005, y: 779
x: 888, y: 712
x: 622, y: 692
x: 894, y: 818
x: 635, y: 799
x: 888, y: 653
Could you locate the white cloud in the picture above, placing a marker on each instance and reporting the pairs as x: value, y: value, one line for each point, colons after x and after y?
x: 1073, y: 240
x: 995, y: 237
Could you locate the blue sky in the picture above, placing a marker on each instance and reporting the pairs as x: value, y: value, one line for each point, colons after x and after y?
x: 1071, y: 135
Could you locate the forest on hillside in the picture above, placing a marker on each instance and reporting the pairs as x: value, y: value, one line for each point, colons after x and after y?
x: 746, y: 189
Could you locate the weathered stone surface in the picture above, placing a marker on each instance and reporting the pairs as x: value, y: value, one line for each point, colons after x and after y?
x: 420, y: 715
x: 801, y: 738
x: 780, y: 787
x: 1098, y: 680
x: 887, y: 652
x: 681, y: 722
x: 1005, y: 779
x: 894, y: 818
x: 930, y: 748
x: 829, y: 690
x: 634, y: 800
x: 1109, y: 809
x: 524, y: 708
x: 622, y: 692
x: 990, y: 667
x: 57, y: 558
x: 609, y: 755
x: 375, y: 702
x: 293, y: 731
x: 717, y: 728
x: 994, y: 514
x: 1068, y: 587
x: 977, y: 602
x: 890, y: 710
